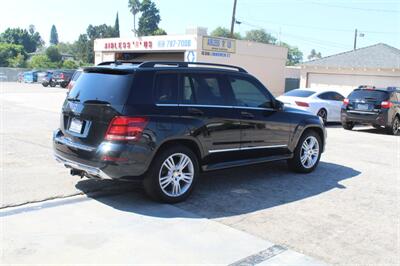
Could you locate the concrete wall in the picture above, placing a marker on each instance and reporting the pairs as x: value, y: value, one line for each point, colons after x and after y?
x: 264, y: 61
x: 11, y: 73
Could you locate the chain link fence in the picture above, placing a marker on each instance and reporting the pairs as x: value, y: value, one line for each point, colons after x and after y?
x: 10, y: 74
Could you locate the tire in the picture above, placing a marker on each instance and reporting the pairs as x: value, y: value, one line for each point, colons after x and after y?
x: 348, y: 125
x: 45, y: 84
x: 394, y: 129
x: 53, y: 84
x: 160, y: 174
x: 310, y: 138
x: 323, y: 114
x: 63, y: 85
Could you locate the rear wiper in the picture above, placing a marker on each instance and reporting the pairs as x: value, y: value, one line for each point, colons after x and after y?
x: 96, y: 102
x: 73, y: 100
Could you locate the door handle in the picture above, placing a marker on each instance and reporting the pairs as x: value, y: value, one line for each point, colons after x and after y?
x: 247, y: 115
x: 195, y: 111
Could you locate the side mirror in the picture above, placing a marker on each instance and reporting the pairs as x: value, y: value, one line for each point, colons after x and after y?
x: 278, y: 105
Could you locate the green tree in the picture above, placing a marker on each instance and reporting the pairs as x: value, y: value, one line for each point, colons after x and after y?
x: 53, y: 54
x: 53, y: 35
x: 95, y: 32
x: 69, y: 64
x: 224, y: 32
x: 148, y: 22
x: 41, y: 61
x: 82, y: 49
x: 12, y: 55
x: 294, y: 56
x: 66, y: 48
x: 314, y: 55
x: 31, y: 40
x: 116, y: 27
x: 134, y: 7
x: 260, y: 36
x: 160, y: 31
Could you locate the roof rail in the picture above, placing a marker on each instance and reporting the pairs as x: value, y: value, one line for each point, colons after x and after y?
x: 187, y: 64
x: 118, y: 62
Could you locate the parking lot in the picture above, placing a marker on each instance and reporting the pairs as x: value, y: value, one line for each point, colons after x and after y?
x: 346, y: 212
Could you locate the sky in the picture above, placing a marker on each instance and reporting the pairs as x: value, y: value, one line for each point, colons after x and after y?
x: 326, y: 26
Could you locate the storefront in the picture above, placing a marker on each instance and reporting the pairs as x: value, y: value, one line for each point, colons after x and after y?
x: 266, y: 62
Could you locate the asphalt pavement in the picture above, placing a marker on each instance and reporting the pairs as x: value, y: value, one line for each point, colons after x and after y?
x: 346, y: 212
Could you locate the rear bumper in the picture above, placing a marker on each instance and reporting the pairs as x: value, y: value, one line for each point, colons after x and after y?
x: 108, y: 160
x: 90, y: 170
x: 363, y: 117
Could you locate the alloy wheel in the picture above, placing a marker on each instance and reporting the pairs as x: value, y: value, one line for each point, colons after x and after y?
x: 176, y: 175
x: 309, y: 152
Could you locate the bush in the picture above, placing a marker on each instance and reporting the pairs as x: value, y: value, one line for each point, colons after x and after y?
x: 41, y: 61
x: 69, y: 64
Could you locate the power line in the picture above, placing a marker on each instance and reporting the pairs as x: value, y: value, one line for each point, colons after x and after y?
x: 302, y: 38
x: 356, y: 8
x: 321, y: 28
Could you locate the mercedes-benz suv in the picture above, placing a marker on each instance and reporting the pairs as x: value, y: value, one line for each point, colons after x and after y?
x: 166, y: 122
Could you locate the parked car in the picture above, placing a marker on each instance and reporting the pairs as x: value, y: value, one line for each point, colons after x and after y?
x: 3, y: 77
x: 325, y: 103
x: 74, y: 79
x: 30, y: 76
x: 379, y: 107
x: 62, y: 77
x: 47, y: 79
x: 166, y: 122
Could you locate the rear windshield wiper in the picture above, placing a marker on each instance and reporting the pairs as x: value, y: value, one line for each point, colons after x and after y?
x: 96, y: 102
x: 73, y: 100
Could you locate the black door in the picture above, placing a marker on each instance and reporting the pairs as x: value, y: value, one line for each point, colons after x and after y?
x: 206, y: 104
x: 263, y: 127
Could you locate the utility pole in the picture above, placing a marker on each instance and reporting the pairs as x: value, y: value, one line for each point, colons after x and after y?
x: 233, y: 18
x: 355, y: 39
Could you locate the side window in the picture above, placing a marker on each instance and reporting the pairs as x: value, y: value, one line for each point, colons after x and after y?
x: 337, y: 97
x: 325, y: 96
x: 166, y: 88
x: 202, y: 89
x: 248, y: 93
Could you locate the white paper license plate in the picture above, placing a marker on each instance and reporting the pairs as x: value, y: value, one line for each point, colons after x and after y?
x: 362, y: 106
x: 76, y: 126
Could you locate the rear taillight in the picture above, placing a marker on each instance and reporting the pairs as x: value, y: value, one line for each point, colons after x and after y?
x: 62, y: 76
x: 126, y: 128
x: 302, y: 104
x: 386, y: 104
x: 346, y: 102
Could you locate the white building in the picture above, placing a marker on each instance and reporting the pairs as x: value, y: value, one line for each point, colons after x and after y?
x: 265, y: 61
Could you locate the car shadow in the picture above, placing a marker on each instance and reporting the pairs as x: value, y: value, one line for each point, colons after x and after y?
x: 378, y: 131
x: 238, y: 191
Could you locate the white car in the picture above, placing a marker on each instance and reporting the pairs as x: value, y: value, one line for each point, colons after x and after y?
x: 325, y: 103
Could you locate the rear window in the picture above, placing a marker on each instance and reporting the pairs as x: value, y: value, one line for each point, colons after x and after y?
x: 111, y: 88
x: 369, y: 94
x: 299, y: 93
x: 76, y: 75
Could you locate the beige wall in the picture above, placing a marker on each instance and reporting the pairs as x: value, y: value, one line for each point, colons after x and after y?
x: 264, y: 61
x: 348, y: 79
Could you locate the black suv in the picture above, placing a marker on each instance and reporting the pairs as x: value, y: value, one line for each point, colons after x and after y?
x: 62, y: 78
x: 374, y: 106
x: 165, y: 122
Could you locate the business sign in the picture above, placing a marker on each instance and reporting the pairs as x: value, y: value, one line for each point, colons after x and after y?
x: 215, y: 44
x: 178, y: 43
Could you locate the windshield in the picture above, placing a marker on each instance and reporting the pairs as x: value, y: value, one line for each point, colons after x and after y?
x: 110, y: 88
x: 299, y: 93
x: 369, y: 94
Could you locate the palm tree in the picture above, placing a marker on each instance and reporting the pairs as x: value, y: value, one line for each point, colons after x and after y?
x: 134, y: 6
